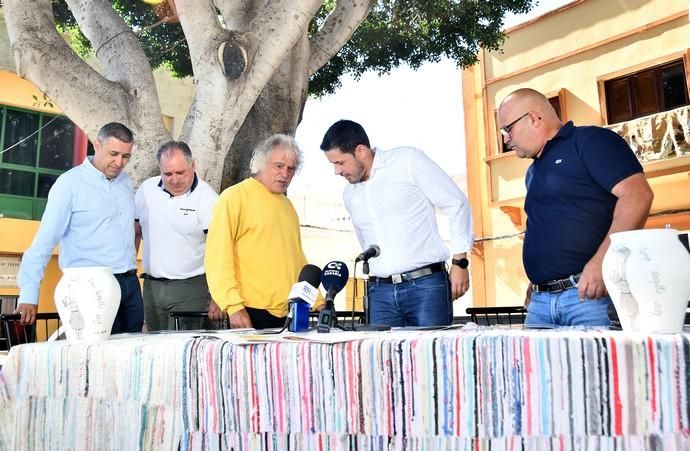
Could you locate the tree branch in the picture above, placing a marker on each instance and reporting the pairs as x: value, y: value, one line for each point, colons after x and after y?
x: 143, y: 30
x: 336, y: 31
x: 201, y: 28
x: 43, y: 57
x: 292, y: 19
x: 173, y: 46
x: 237, y: 14
x: 120, y: 54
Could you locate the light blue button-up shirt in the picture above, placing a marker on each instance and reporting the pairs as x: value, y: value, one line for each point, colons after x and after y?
x: 91, y: 217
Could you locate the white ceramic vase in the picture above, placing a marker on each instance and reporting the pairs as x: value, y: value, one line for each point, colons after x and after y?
x: 87, y: 300
x: 647, y: 274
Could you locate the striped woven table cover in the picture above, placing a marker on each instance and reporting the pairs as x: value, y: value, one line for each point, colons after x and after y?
x: 467, y: 389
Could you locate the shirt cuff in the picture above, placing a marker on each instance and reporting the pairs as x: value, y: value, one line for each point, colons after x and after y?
x: 28, y: 296
x: 232, y: 309
x: 460, y: 247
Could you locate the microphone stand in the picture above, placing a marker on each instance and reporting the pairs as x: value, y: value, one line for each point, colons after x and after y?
x: 365, y: 296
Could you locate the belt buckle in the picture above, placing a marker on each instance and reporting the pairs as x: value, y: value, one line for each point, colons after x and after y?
x: 560, y: 286
x: 396, y: 278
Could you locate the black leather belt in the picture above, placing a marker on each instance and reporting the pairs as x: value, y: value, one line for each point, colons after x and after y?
x: 157, y: 279
x: 165, y: 279
x: 555, y: 286
x: 131, y: 272
x: 411, y: 275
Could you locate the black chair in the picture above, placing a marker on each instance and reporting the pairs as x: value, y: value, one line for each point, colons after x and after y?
x: 489, y: 316
x: 463, y: 319
x: 7, y: 306
x: 16, y: 334
x: 343, y: 318
x: 179, y: 315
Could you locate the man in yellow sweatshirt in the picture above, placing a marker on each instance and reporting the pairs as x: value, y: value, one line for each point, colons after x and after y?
x: 253, y: 248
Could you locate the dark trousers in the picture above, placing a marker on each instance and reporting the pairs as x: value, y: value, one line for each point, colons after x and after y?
x: 261, y: 319
x: 130, y: 315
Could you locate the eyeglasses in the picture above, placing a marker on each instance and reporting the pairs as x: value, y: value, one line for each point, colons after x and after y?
x: 505, y: 130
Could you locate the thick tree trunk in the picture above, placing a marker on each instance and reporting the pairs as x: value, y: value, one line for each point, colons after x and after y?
x: 241, y: 97
x: 278, y: 109
x: 222, y: 103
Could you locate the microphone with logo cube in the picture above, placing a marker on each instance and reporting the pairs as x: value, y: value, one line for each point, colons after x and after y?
x: 334, y: 277
x: 302, y: 297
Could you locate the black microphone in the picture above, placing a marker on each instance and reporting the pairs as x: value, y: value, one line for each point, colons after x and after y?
x: 302, y: 296
x: 333, y: 278
x: 371, y: 252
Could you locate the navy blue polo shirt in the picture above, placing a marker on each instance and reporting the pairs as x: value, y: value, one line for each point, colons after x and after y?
x: 569, y: 204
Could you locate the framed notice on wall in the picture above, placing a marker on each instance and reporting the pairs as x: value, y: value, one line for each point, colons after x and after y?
x: 9, y: 269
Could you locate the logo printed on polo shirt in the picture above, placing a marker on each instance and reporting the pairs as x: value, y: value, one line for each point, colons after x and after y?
x: 559, y: 161
x: 186, y: 211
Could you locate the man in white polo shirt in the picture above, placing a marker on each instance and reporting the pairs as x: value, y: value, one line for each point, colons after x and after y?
x: 173, y: 211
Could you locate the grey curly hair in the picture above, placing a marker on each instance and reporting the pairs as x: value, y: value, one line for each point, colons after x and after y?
x: 263, y: 151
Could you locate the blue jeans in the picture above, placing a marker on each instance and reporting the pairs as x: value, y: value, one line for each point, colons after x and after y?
x: 566, y: 309
x: 420, y: 302
x: 130, y: 315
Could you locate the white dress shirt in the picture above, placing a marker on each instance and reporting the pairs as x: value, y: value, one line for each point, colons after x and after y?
x: 395, y: 209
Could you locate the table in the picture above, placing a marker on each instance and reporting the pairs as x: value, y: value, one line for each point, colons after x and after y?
x: 472, y: 388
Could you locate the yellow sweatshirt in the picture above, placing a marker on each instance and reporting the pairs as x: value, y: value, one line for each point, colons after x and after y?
x: 253, y: 249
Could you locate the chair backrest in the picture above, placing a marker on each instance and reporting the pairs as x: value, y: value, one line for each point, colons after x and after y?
x: 178, y: 316
x: 488, y: 316
x: 462, y: 319
x: 46, y: 325
x: 343, y: 318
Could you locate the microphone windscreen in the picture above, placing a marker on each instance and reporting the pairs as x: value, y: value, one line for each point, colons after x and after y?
x: 334, y: 276
x: 310, y: 274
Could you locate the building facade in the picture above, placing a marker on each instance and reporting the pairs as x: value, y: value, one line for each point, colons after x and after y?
x: 624, y: 65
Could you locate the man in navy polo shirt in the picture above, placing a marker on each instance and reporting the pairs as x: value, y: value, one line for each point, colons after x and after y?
x: 584, y: 184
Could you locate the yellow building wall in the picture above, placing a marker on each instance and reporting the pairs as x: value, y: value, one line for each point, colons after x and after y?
x: 19, y: 93
x: 16, y: 236
x: 558, y: 51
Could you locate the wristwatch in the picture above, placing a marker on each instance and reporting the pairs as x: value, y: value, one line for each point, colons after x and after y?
x: 463, y: 262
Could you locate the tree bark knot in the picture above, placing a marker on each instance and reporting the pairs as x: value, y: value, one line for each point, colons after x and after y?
x: 233, y: 59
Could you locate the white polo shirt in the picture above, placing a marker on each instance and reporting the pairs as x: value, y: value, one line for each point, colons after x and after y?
x: 174, y: 228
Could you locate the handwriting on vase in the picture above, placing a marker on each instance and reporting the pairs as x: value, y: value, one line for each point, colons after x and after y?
x: 657, y: 307
x: 643, y: 253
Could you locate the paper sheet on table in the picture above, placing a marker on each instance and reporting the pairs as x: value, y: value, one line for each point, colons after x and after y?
x: 335, y: 336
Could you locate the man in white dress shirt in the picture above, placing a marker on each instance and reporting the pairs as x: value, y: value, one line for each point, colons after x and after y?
x: 391, y: 198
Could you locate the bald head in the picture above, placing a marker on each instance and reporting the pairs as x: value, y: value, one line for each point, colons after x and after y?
x: 527, y: 121
x: 528, y: 99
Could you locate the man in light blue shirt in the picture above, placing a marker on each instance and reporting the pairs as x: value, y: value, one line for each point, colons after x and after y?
x: 90, y: 213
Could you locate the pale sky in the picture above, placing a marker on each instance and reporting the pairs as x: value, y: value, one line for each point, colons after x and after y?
x: 420, y: 108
